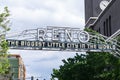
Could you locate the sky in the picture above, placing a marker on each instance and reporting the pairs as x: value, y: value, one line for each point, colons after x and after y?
x: 32, y: 14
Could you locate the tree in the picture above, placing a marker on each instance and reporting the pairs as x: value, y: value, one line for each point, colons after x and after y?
x: 90, y: 66
x: 4, y: 63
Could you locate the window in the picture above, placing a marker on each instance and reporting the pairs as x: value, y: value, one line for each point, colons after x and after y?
x: 107, y: 26
x: 110, y: 26
x: 104, y: 28
x: 99, y: 30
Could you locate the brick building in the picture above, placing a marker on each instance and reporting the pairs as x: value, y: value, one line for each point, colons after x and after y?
x: 17, y: 67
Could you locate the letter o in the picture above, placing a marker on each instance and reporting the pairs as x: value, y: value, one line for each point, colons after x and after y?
x: 83, y: 36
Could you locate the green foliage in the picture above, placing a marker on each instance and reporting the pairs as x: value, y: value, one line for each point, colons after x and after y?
x: 4, y: 63
x: 4, y: 66
x: 89, y: 66
x: 99, y: 39
x: 91, y: 31
x: 4, y: 21
x: 92, y: 66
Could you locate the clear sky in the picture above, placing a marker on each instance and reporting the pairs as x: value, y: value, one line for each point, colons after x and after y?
x: 32, y: 14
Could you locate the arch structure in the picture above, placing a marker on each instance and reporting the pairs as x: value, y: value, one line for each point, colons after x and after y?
x: 63, y: 39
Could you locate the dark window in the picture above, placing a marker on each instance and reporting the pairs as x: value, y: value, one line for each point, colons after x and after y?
x: 92, y: 27
x: 107, y: 27
x: 104, y: 25
x: 110, y: 26
x: 99, y: 30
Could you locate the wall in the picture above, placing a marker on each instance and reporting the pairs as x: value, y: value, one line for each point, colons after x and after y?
x: 109, y: 19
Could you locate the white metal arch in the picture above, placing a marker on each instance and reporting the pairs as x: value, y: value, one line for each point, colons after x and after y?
x: 67, y: 35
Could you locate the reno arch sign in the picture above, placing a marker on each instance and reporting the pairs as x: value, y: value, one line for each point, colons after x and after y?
x: 62, y: 34
x: 62, y: 39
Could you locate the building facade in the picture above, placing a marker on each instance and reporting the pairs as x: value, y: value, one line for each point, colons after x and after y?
x: 92, y: 8
x: 106, y: 21
x: 17, y: 67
